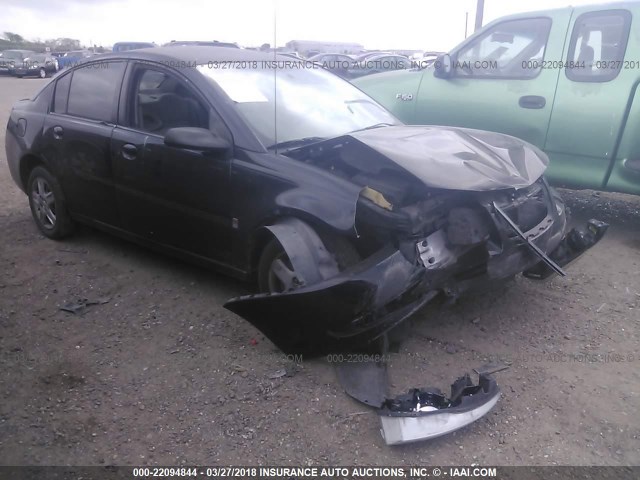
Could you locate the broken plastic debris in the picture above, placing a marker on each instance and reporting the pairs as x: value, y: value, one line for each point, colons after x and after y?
x: 422, y: 414
x: 278, y: 374
x: 82, y: 304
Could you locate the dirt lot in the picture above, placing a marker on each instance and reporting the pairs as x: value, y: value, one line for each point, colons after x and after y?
x: 162, y: 374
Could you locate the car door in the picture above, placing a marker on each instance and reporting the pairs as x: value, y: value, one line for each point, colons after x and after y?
x: 503, y: 78
x: 176, y: 197
x: 77, y: 136
x: 591, y: 101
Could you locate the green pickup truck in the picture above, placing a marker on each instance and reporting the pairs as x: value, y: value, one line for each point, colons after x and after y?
x: 565, y: 80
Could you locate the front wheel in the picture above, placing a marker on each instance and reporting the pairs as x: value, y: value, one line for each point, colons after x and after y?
x: 48, y: 205
x: 43, y: 73
x: 275, y: 272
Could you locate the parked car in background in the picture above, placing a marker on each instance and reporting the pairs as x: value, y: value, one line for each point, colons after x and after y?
x: 294, y: 55
x: 348, y: 220
x: 200, y: 43
x: 125, y: 46
x: 9, y: 59
x: 39, y: 65
x: 71, y: 58
x: 338, y: 63
x: 565, y: 80
x: 428, y: 58
x: 365, y: 55
x: 378, y: 63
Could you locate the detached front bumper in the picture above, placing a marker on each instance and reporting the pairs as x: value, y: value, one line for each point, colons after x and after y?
x: 353, y: 309
x: 345, y: 312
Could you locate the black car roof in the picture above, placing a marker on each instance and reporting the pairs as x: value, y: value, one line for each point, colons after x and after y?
x: 199, y: 55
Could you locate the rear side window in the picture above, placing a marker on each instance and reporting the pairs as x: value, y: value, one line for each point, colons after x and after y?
x: 598, y: 44
x: 62, y: 94
x: 94, y: 90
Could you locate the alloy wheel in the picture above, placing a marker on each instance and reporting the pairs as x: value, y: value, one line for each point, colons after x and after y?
x: 44, y: 203
x: 282, y: 277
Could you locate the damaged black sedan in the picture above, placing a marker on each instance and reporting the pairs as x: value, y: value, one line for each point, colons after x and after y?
x: 273, y: 170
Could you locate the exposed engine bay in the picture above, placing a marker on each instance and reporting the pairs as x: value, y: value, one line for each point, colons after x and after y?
x: 412, y: 239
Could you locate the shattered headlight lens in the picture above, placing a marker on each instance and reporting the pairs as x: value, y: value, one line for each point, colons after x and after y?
x: 405, y: 419
x: 398, y: 430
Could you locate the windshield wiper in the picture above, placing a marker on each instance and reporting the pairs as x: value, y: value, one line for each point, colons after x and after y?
x: 298, y: 142
x: 375, y: 125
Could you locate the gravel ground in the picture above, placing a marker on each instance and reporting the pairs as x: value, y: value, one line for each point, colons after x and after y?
x: 160, y: 373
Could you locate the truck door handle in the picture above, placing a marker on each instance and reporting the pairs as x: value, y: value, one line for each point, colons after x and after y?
x: 129, y: 151
x: 532, y: 101
x: 58, y: 132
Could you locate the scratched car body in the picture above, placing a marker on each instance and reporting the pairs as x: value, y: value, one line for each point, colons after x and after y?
x: 348, y: 220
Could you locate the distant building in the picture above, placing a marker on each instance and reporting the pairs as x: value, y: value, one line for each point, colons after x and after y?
x: 309, y: 47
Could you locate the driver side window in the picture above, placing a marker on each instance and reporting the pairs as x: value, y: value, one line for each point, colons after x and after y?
x: 511, y: 49
x: 161, y: 101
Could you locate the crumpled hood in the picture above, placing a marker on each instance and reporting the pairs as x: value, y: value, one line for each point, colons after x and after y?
x: 458, y: 158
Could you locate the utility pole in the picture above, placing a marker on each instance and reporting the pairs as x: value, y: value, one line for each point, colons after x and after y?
x: 479, y: 14
x: 466, y: 23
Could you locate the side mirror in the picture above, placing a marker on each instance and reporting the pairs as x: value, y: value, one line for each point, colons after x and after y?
x: 443, y: 66
x: 195, y: 139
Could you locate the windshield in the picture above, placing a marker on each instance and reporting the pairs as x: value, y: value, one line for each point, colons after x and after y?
x: 286, y: 104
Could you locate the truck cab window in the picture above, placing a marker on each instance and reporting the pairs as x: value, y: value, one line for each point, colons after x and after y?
x: 511, y: 49
x: 598, y: 44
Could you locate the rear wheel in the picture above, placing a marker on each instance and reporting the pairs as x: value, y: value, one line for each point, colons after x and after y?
x: 47, y: 204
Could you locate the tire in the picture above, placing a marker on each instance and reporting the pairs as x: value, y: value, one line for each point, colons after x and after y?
x: 43, y: 73
x: 48, y: 205
x: 343, y: 252
x: 271, y: 253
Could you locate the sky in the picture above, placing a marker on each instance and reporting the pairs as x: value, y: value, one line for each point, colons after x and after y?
x: 377, y: 24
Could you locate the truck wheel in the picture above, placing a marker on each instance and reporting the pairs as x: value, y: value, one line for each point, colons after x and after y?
x: 47, y: 204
